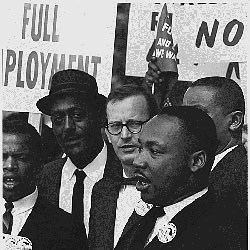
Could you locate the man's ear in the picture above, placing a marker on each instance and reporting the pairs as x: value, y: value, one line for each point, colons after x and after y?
x: 198, y: 160
x: 108, y: 135
x: 236, y: 120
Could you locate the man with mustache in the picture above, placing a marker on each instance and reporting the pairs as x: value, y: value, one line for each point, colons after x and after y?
x: 129, y: 107
x: 223, y: 100
x: 26, y: 213
x: 177, y: 150
x: 74, y: 105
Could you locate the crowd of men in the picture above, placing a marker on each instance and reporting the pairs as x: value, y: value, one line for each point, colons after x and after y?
x: 168, y: 178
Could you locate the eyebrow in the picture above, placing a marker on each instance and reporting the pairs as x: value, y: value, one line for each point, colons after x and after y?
x: 152, y: 143
x: 18, y: 153
x: 72, y: 109
x: 129, y: 120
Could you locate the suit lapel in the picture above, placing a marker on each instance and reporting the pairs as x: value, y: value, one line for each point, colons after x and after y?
x: 50, y: 181
x: 35, y: 221
x: 57, y: 186
x: 113, y: 168
x: 103, y: 213
x: 132, y: 222
x: 183, y: 220
x: 57, y: 183
x: 103, y: 204
x: 128, y: 231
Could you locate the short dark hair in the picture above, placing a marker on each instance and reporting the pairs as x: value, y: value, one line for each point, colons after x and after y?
x: 17, y: 126
x: 198, y: 127
x: 178, y: 91
x: 229, y: 96
x: 128, y: 90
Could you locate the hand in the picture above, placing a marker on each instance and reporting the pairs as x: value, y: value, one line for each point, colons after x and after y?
x: 152, y: 76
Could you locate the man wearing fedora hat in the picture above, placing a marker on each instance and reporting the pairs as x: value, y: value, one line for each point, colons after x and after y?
x: 74, y: 105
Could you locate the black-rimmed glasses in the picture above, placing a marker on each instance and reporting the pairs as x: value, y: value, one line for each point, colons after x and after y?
x: 134, y: 127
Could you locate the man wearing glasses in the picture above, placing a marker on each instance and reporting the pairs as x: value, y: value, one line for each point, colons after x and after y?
x: 129, y: 107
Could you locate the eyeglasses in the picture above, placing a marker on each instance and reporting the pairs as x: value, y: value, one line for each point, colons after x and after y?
x: 134, y: 127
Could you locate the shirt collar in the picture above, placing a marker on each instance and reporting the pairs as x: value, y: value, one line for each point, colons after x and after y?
x: 177, y: 207
x: 219, y: 157
x: 124, y: 174
x: 94, y: 170
x: 26, y: 203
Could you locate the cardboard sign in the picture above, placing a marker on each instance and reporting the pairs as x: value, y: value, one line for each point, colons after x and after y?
x: 164, y: 49
x: 205, y: 33
x: 211, y: 39
x: 42, y: 38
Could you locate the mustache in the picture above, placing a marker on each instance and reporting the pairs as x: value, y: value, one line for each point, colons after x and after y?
x: 140, y: 176
x: 70, y: 136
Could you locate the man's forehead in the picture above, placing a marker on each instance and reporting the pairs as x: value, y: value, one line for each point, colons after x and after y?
x: 69, y: 102
x: 200, y: 95
x: 194, y: 91
x: 16, y: 142
x: 160, y: 128
x: 129, y: 106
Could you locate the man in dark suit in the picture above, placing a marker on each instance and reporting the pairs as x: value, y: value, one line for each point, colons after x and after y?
x: 26, y: 213
x: 129, y: 107
x: 74, y: 105
x: 177, y: 150
x: 223, y: 100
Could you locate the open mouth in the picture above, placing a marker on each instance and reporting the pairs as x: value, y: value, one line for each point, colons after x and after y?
x: 9, y: 182
x: 143, y: 182
x: 128, y: 148
x: 72, y: 140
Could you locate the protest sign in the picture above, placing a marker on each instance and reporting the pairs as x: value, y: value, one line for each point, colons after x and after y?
x: 164, y: 49
x: 43, y: 37
x: 203, y: 32
x: 211, y: 39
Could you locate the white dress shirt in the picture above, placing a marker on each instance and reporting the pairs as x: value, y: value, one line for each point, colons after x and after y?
x: 221, y: 155
x: 94, y: 172
x: 126, y: 202
x: 171, y: 211
x: 21, y: 211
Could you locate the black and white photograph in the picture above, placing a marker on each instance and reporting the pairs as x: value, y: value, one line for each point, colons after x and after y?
x: 124, y: 125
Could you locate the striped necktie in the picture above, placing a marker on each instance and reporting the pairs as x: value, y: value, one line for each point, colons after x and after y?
x: 8, y: 218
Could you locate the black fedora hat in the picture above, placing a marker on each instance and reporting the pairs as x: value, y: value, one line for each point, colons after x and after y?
x: 71, y: 82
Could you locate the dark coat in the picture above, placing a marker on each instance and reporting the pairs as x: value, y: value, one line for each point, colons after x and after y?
x: 200, y: 225
x: 50, y: 180
x: 103, y: 213
x: 228, y: 180
x: 49, y: 227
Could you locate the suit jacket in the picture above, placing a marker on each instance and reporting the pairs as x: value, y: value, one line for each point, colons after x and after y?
x: 103, y: 213
x: 228, y: 180
x: 50, y: 180
x: 51, y: 228
x: 201, y: 225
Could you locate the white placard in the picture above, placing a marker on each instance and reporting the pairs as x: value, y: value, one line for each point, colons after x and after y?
x: 205, y: 33
x: 42, y: 37
x: 210, y: 38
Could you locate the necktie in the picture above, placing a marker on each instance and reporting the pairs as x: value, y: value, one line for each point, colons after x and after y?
x: 8, y: 218
x: 77, y: 198
x: 145, y: 228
